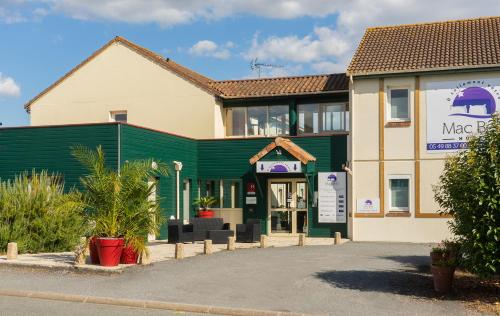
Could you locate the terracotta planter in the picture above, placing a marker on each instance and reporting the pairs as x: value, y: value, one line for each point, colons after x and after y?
x: 129, y: 255
x: 443, y: 278
x: 436, y: 256
x: 94, y: 254
x: 206, y: 214
x: 110, y: 250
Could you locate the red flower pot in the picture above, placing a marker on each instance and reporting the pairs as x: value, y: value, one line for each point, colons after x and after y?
x: 94, y: 254
x: 443, y: 278
x: 110, y: 250
x: 129, y: 255
x: 206, y: 214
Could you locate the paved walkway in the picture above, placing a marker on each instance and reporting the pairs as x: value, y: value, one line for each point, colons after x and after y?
x: 160, y: 251
x: 351, y: 279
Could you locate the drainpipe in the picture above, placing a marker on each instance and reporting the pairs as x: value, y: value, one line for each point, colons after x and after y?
x: 178, y: 168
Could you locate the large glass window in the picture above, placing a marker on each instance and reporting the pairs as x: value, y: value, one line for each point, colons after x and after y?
x: 235, y: 121
x: 257, y: 121
x: 333, y: 117
x: 308, y: 118
x: 399, y: 105
x: 278, y: 120
x: 324, y: 117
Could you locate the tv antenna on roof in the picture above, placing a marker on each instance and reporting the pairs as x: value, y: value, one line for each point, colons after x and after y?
x: 255, y: 65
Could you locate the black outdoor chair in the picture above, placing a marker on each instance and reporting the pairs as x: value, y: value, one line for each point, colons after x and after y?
x: 211, y: 228
x: 179, y: 232
x: 249, y: 232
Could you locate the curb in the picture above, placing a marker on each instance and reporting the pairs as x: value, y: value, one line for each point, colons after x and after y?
x: 179, y: 307
x: 75, y: 268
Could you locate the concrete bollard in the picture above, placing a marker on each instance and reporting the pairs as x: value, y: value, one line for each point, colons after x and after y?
x: 12, y: 251
x: 230, y: 243
x: 338, y: 238
x: 145, y: 257
x: 179, y: 251
x: 302, y: 239
x: 80, y: 251
x: 207, y: 247
x: 263, y: 241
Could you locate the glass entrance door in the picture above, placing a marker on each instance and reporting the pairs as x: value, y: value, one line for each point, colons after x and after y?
x: 287, y: 206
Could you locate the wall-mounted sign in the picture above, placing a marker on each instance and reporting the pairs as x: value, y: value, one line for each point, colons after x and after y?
x: 458, y: 109
x: 332, y: 197
x: 251, y: 200
x: 278, y: 167
x: 251, y: 188
x: 368, y: 206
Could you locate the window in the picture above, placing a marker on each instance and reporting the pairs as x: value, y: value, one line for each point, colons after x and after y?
x: 398, y: 105
x: 322, y: 118
x: 119, y: 116
x: 399, y: 190
x: 235, y: 195
x: 308, y: 118
x: 258, y: 121
x: 278, y: 120
x: 235, y: 121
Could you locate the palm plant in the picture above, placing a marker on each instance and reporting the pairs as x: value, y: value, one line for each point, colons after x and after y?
x: 119, y: 202
x: 204, y: 202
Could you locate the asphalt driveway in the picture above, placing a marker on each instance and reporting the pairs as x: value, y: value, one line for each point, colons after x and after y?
x: 351, y: 279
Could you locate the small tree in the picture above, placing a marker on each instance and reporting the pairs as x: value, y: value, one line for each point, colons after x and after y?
x: 469, y: 191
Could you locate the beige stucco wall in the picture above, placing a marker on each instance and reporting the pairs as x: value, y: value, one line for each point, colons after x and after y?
x: 121, y: 79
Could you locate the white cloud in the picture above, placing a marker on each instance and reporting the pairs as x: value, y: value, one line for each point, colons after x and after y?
x: 9, y: 87
x: 211, y: 49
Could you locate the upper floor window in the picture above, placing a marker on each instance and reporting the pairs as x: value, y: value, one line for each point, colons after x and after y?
x: 119, y: 116
x: 399, y: 105
x: 270, y: 120
x: 323, y: 117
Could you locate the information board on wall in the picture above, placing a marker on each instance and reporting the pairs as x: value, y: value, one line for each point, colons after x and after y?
x: 332, y: 197
x: 457, y: 110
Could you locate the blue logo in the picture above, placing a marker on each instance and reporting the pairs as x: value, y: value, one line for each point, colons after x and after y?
x: 475, y: 97
x: 332, y: 178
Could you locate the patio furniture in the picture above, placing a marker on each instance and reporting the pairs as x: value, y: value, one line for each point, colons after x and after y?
x: 249, y: 232
x: 211, y: 228
x: 179, y: 232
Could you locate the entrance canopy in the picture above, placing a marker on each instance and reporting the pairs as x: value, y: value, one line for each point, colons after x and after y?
x: 285, y: 143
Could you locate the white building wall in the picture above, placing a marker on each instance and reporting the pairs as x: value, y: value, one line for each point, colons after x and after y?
x: 120, y: 79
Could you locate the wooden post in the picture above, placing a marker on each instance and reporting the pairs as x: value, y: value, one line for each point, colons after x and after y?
x: 263, y: 241
x: 207, y: 247
x: 179, y: 251
x: 302, y: 239
x: 230, y: 243
x: 12, y: 251
x: 338, y: 238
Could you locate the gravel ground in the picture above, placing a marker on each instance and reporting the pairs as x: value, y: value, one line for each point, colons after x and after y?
x: 353, y: 279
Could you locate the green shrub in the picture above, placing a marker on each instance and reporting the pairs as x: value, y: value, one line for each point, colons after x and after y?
x: 37, y: 214
x: 469, y: 191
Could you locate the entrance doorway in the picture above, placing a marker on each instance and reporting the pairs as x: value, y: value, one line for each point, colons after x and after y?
x: 185, y: 200
x: 287, y: 207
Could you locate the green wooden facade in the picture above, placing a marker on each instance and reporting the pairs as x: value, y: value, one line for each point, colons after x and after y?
x: 227, y: 160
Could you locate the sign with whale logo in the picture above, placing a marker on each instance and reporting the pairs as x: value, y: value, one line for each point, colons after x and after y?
x: 332, y: 199
x: 458, y: 109
x: 279, y: 167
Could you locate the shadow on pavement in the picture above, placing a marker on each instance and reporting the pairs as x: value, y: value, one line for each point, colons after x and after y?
x: 419, y: 263
x: 409, y: 283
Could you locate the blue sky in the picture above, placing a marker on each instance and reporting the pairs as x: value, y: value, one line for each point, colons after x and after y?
x: 43, y: 39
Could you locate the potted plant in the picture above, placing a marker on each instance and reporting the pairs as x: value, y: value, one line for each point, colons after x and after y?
x: 442, y: 274
x: 118, y: 203
x: 204, y: 203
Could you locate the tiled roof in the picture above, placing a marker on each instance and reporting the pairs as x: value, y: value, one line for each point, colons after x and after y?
x: 461, y: 44
x: 224, y: 89
x: 289, y: 146
x: 281, y: 86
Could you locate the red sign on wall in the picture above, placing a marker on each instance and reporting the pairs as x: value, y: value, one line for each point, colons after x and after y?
x: 251, y: 188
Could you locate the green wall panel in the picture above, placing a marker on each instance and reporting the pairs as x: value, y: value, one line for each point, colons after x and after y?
x: 48, y: 148
x: 140, y: 143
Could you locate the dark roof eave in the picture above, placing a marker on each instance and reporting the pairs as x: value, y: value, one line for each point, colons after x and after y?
x: 282, y: 95
x: 423, y: 71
